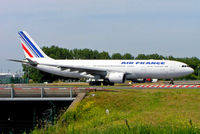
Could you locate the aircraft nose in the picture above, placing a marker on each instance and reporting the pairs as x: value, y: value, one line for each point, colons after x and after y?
x: 190, y: 70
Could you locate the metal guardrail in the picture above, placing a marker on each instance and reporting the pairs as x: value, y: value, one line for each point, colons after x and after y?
x: 37, y: 94
x: 37, y: 99
x: 41, y: 93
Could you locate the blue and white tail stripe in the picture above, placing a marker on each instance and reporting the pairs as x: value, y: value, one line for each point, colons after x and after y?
x: 30, y: 44
x: 27, y: 45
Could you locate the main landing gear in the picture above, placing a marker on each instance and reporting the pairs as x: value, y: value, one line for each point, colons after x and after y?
x: 95, y: 83
x: 108, y: 83
x: 98, y: 83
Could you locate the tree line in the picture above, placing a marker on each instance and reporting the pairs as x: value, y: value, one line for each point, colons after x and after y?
x: 63, y: 53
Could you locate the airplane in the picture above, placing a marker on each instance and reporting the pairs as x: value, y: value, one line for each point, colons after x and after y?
x: 106, y: 72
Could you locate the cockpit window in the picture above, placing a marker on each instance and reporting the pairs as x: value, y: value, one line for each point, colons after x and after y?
x: 184, y: 66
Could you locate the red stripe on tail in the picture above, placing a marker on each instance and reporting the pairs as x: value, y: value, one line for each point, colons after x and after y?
x: 30, y: 55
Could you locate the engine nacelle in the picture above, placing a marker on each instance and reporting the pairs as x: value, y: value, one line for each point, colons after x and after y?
x: 116, y: 77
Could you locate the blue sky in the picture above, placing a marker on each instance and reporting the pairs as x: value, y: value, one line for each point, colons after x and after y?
x: 170, y: 27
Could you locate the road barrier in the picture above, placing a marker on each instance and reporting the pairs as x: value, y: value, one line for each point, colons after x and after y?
x: 40, y: 93
x: 166, y: 86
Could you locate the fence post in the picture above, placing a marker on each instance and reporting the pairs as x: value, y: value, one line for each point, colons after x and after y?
x: 71, y: 93
x: 42, y: 92
x: 12, y: 92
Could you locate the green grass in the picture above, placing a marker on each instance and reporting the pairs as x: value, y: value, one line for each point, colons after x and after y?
x: 151, y: 111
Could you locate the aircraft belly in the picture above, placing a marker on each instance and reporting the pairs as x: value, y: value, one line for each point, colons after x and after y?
x: 57, y: 71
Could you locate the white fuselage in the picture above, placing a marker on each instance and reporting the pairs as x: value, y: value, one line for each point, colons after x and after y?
x: 111, y: 71
x: 133, y: 68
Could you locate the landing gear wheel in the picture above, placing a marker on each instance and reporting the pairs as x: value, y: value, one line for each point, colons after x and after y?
x: 111, y: 83
x: 105, y: 83
x: 95, y: 83
x: 91, y: 83
x: 98, y: 83
x: 171, y: 82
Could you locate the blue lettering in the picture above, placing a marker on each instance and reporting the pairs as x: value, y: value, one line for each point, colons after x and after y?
x: 148, y: 63
x: 162, y: 62
x: 130, y: 62
x: 123, y: 63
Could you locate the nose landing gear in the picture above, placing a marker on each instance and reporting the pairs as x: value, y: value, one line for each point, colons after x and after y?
x: 171, y: 82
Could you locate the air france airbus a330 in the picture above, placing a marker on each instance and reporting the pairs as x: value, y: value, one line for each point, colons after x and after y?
x: 107, y: 72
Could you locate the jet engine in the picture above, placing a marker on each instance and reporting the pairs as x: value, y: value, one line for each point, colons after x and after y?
x: 116, y: 77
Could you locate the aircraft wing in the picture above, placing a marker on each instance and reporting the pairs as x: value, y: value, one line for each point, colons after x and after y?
x: 88, y: 70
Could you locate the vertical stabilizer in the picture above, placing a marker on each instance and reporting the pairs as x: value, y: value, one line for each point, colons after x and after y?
x: 30, y: 47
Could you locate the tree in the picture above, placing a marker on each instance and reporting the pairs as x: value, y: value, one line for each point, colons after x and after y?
x: 127, y: 56
x: 141, y: 57
x: 103, y: 55
x: 116, y: 56
x: 155, y: 56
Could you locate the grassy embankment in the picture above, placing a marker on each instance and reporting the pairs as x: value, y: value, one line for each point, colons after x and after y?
x: 133, y: 111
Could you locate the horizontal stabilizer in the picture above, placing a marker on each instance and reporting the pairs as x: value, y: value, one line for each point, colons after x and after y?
x: 27, y: 61
x: 21, y: 61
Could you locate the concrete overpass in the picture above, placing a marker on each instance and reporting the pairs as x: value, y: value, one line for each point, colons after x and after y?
x: 23, y: 108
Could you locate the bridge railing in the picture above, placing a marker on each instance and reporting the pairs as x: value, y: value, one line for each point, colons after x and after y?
x: 37, y: 94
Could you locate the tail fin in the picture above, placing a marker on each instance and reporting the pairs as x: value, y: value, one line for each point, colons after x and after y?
x: 30, y: 47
